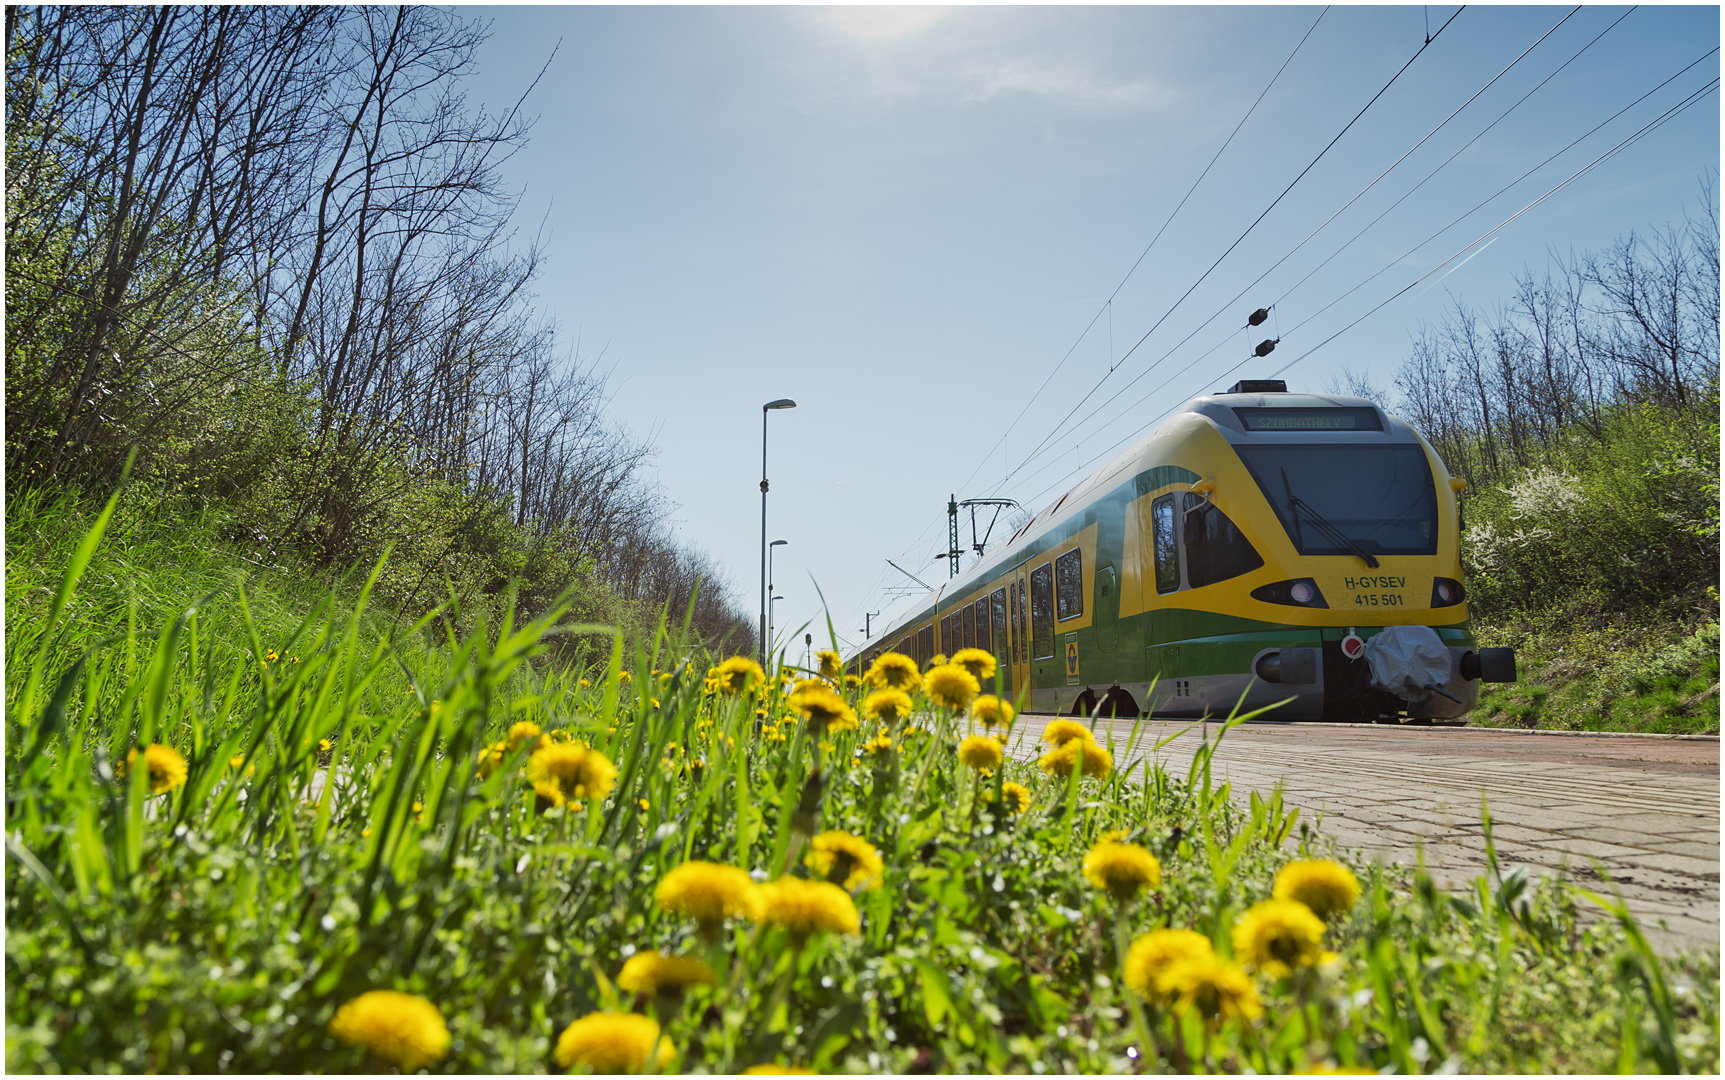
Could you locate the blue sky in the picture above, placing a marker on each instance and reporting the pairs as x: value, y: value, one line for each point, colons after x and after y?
x: 904, y: 218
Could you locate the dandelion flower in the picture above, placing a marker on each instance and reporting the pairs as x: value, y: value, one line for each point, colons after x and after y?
x: 1150, y: 957
x: 1326, y: 887
x: 845, y: 860
x: 236, y: 761
x: 894, y: 671
x: 831, y: 665
x: 979, y: 662
x: 804, y: 907
x: 880, y: 744
x: 771, y: 1069
x: 936, y: 660
x: 1123, y: 869
x: 1092, y: 759
x: 951, y: 686
x: 1016, y: 796
x: 562, y: 772
x: 708, y: 892
x: 990, y: 711
x: 1217, y: 988
x: 402, y: 1029
x: 166, y: 767
x: 524, y: 731
x: 981, y: 752
x: 612, y: 1043
x: 739, y: 675
x: 648, y: 972
x: 823, y: 707
x: 889, y: 706
x: 491, y: 757
x: 1277, y: 936
x: 1061, y: 732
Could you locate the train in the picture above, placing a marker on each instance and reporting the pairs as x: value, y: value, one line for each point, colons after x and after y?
x: 1256, y: 548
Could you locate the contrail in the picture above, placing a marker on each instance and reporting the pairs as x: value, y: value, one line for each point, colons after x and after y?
x: 1452, y: 270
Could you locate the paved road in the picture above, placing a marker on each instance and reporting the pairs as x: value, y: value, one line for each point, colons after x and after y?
x: 1646, y: 808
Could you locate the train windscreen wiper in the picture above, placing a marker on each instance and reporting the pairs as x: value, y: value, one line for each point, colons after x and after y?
x: 1335, y: 536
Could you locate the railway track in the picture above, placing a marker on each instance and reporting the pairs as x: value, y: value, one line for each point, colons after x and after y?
x: 1641, y: 811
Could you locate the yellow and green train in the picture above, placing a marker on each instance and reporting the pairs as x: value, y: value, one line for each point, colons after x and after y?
x: 1253, y: 545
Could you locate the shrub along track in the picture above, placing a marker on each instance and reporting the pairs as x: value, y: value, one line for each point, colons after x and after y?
x: 1635, y: 815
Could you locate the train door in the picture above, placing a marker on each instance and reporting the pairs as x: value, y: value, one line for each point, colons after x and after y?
x: 1018, y: 611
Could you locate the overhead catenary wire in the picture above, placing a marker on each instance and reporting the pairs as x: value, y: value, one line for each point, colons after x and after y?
x: 1280, y: 299
x: 1248, y: 230
x: 1639, y: 134
x: 1141, y: 255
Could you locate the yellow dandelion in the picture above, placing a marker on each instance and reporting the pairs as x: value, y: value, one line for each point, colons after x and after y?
x: 990, y: 711
x: 524, y: 731
x: 803, y: 907
x: 708, y: 892
x: 1124, y: 870
x: 880, y: 744
x: 936, y: 660
x: 272, y: 656
x: 824, y: 708
x: 1326, y: 887
x: 324, y: 746
x: 1277, y: 936
x: 739, y: 675
x: 979, y: 662
x: 1092, y: 759
x: 1217, y: 988
x: 1061, y: 732
x: 491, y: 757
x: 166, y: 767
x: 1016, y: 796
x: 403, y: 1029
x: 613, y: 1043
x: 1150, y: 957
x: 951, y: 686
x: 586, y: 683
x: 236, y: 761
x: 830, y: 663
x: 770, y: 1069
x: 648, y: 972
x: 846, y: 860
x: 894, y: 671
x: 889, y: 706
x: 981, y: 752
x: 565, y: 771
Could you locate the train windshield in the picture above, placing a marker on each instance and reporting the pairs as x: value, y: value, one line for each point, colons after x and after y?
x: 1381, y: 498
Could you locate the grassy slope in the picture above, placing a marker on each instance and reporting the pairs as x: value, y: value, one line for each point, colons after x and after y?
x: 1628, y: 677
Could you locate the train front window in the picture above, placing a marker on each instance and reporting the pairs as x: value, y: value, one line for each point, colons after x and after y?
x: 1381, y: 498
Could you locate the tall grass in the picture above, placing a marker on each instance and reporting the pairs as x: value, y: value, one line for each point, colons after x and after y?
x: 335, y: 834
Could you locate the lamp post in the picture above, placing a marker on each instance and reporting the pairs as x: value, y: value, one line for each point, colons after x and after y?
x: 781, y: 403
x: 770, y: 610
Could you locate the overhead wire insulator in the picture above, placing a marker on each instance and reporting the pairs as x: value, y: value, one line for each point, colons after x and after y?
x: 1265, y: 347
x: 1257, y: 317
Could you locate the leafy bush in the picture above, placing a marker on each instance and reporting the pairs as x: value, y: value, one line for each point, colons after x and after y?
x: 353, y: 817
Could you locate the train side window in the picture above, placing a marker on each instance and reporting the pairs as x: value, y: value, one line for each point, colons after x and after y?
x: 1166, y: 545
x: 970, y: 626
x: 982, y: 634
x: 998, y: 603
x: 925, y: 644
x: 1023, y: 625
x: 1221, y: 551
x: 1012, y: 616
x: 1042, y: 611
x: 1069, y: 584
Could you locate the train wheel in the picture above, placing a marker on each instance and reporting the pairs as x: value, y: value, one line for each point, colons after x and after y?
x: 1117, y: 703
x: 1085, y: 705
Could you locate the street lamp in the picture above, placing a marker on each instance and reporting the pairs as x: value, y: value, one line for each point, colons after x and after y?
x: 781, y: 403
x: 770, y: 623
x: 772, y: 612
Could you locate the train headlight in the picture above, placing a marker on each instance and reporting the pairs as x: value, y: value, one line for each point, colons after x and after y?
x: 1447, y: 592
x: 1301, y: 592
